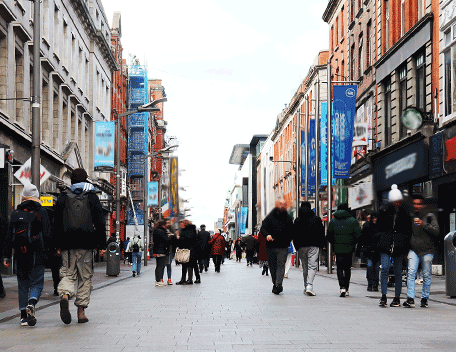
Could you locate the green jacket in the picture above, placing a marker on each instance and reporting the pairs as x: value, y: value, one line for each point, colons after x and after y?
x: 343, y: 232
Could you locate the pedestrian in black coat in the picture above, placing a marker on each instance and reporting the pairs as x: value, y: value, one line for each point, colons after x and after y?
x: 204, y: 249
x: 187, y: 239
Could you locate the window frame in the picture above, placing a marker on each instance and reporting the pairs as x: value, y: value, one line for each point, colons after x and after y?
x: 402, y: 88
x: 387, y: 106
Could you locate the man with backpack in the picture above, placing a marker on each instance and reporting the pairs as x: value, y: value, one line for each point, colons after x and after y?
x: 79, y: 228
x: 136, y: 247
x: 29, y: 234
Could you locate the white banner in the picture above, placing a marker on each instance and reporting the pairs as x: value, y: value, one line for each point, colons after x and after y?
x: 361, y: 194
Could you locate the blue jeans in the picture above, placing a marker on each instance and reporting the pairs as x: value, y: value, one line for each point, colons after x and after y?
x: 386, y: 263
x: 372, y: 271
x: 30, y: 284
x: 136, y: 262
x: 426, y: 269
x: 168, y: 266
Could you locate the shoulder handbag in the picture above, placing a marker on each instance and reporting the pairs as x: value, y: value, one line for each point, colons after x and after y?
x: 182, y: 255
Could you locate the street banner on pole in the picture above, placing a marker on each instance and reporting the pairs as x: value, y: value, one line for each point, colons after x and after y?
x: 152, y: 198
x: 323, y: 144
x: 174, y: 194
x: 344, y: 108
x: 303, y: 163
x: 312, y: 158
x: 243, y: 220
x: 104, y: 144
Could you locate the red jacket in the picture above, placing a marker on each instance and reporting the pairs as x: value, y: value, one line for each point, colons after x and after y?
x: 218, y: 244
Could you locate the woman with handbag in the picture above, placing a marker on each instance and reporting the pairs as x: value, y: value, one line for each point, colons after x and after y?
x: 186, y: 240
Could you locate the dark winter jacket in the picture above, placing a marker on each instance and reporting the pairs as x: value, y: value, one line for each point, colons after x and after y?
x: 249, y: 242
x: 369, y: 240
x: 422, y: 240
x: 203, y: 239
x: 397, y: 231
x: 343, y: 232
x: 218, y: 244
x: 278, y: 225
x: 239, y: 246
x: 187, y: 240
x: 308, y: 230
x: 162, y: 241
x: 79, y: 239
x: 41, y: 223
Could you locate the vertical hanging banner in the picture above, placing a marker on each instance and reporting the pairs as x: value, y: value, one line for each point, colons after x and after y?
x: 152, y: 191
x: 174, y: 194
x: 243, y: 220
x: 324, y: 144
x: 344, y: 108
x: 312, y: 154
x: 303, y: 164
x: 104, y: 144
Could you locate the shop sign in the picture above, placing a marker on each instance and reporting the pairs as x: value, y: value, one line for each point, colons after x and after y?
x: 47, y: 201
x: 361, y: 194
x: 404, y: 165
x: 24, y: 174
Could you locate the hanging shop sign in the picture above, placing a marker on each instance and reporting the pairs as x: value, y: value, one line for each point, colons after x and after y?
x: 436, y: 155
x: 174, y: 195
x: 152, y: 194
x: 24, y: 174
x: 361, y: 194
x: 104, y: 144
x: 344, y: 108
x: 412, y: 118
x: 406, y: 164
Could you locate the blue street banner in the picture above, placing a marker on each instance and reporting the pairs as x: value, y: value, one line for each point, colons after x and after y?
x: 303, y: 163
x: 344, y: 108
x: 312, y: 155
x: 324, y: 144
x: 243, y: 220
x: 104, y: 144
x: 152, y: 194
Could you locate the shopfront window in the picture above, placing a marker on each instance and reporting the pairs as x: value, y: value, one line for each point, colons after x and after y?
x: 402, y: 100
x: 420, y: 82
x: 449, y: 62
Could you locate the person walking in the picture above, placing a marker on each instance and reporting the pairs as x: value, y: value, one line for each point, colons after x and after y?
x: 395, y: 225
x: 80, y: 228
x: 277, y: 227
x: 162, y: 243
x: 203, y: 248
x: 172, y: 251
x: 127, y: 255
x: 187, y: 240
x: 238, y: 247
x: 343, y: 232
x: 3, y: 232
x: 262, y: 255
x: 136, y: 247
x: 308, y: 238
x: 425, y: 229
x: 368, y: 247
x: 249, y: 245
x: 218, y: 247
x: 30, y: 236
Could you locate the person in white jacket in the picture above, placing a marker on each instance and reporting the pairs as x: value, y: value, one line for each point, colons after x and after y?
x: 136, y: 247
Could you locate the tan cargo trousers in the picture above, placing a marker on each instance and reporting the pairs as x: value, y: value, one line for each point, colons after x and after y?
x: 77, y: 269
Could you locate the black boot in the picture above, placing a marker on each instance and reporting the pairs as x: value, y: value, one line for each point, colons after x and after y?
x: 181, y: 282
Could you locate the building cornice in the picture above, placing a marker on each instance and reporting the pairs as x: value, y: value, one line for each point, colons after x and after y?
x: 330, y: 10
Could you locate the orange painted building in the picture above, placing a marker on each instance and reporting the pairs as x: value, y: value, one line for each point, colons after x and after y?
x: 118, y: 105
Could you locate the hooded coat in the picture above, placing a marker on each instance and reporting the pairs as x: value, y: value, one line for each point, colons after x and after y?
x: 308, y: 230
x: 343, y: 232
x: 279, y: 225
x: 80, y: 239
x: 41, y: 223
x: 162, y: 241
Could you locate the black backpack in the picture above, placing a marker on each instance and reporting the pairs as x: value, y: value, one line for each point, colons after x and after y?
x: 135, y: 247
x: 26, y: 240
x: 77, y: 215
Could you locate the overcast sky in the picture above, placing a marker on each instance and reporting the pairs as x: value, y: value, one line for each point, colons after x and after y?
x: 228, y: 68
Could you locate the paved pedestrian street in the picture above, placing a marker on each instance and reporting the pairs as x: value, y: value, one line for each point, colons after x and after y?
x: 235, y: 311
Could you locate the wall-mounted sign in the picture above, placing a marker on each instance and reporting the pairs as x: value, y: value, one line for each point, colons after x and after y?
x: 435, y: 155
x: 47, y: 201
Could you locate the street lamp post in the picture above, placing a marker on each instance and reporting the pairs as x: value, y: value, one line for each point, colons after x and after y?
x: 36, y: 97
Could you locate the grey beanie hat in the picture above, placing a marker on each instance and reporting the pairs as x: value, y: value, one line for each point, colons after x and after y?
x: 30, y: 190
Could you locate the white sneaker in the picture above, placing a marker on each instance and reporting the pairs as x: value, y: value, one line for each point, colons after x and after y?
x: 346, y: 294
x: 343, y: 291
x: 161, y: 284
